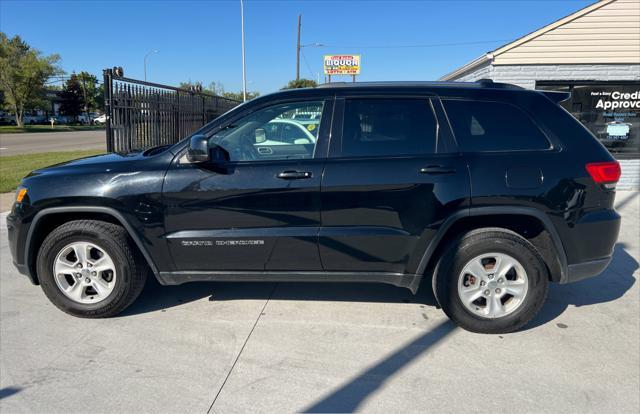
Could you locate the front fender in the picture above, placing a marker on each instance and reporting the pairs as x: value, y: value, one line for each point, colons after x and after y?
x: 29, y: 251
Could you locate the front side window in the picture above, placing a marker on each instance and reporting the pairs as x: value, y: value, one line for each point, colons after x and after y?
x: 279, y: 132
x: 388, y: 127
x: 493, y: 126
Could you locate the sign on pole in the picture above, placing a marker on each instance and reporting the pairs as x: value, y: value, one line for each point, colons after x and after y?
x: 341, y: 64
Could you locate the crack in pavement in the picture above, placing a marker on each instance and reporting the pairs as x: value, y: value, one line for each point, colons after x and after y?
x: 242, y: 349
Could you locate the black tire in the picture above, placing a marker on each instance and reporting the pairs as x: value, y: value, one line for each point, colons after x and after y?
x: 482, y: 241
x: 130, y: 267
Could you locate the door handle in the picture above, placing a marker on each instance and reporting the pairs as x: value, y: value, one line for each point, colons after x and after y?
x: 437, y: 169
x: 294, y: 175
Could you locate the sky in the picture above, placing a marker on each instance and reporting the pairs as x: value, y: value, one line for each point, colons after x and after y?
x: 201, y: 40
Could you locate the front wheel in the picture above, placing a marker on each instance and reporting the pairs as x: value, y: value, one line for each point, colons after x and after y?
x: 90, y: 269
x: 491, y: 281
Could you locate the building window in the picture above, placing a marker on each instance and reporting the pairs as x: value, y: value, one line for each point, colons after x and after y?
x: 610, y: 110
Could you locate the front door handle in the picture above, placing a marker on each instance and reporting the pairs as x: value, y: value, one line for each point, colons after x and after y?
x: 437, y: 169
x: 294, y: 175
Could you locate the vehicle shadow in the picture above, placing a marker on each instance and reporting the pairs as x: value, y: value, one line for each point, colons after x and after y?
x: 608, y: 286
x: 156, y: 297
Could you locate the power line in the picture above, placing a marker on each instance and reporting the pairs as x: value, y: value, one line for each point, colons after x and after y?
x: 306, y: 63
x: 422, y: 45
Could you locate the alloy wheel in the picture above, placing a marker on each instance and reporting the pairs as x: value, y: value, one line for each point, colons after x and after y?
x: 84, y: 272
x: 493, y: 285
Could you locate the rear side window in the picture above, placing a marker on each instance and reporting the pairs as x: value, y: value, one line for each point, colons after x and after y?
x: 493, y: 126
x: 378, y: 127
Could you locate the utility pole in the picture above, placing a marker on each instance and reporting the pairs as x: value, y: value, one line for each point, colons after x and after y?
x: 298, y: 49
x: 244, y: 73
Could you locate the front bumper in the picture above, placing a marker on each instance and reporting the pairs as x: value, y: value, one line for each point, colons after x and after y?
x: 17, y: 235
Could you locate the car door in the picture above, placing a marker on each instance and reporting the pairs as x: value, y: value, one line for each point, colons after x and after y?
x: 393, y: 175
x: 260, y: 210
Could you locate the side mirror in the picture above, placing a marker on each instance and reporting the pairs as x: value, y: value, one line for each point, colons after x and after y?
x: 198, y: 149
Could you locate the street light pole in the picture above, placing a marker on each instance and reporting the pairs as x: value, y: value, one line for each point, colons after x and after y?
x: 244, y: 72
x: 298, y: 49
x: 145, y: 62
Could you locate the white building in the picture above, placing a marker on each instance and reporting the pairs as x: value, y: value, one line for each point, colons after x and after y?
x: 593, y: 53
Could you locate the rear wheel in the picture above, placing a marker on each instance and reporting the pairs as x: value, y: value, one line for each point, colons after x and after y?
x: 491, y: 281
x: 90, y: 269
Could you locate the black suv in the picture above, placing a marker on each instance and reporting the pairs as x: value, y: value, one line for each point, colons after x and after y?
x: 486, y: 190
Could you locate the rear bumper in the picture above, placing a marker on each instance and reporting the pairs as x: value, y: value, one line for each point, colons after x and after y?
x: 590, y: 243
x: 585, y: 270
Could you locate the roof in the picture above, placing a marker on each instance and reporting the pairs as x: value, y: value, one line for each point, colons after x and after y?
x: 482, y: 83
x: 600, y: 19
x: 399, y: 87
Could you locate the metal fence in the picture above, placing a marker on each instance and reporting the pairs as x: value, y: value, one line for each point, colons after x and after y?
x: 142, y: 114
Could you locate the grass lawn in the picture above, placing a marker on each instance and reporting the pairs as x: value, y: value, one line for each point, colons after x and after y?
x: 12, y: 129
x: 14, y: 167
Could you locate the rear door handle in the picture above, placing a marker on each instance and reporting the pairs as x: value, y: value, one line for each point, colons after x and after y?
x: 294, y: 175
x: 437, y: 169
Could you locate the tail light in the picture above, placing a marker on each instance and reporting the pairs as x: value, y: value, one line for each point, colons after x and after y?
x: 604, y: 172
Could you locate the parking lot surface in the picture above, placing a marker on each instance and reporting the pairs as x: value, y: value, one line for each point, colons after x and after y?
x: 294, y: 347
x: 31, y: 142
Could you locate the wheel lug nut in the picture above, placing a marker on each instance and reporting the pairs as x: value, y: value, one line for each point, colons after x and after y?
x: 79, y: 266
x: 490, y: 276
x: 93, y: 273
x: 498, y: 291
x: 482, y: 283
x: 487, y: 292
x: 89, y: 265
x: 78, y: 275
x: 87, y: 280
x: 500, y: 280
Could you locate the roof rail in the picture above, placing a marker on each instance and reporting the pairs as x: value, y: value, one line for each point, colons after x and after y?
x: 482, y: 83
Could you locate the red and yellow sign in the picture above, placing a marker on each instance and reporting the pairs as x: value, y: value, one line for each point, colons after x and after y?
x: 341, y: 64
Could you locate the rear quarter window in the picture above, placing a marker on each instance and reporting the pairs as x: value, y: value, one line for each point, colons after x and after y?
x: 493, y: 126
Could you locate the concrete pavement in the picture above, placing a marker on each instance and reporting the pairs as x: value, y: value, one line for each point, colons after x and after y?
x: 24, y: 143
x: 232, y: 347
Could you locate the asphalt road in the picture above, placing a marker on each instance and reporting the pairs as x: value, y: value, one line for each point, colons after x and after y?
x: 232, y: 348
x: 24, y: 143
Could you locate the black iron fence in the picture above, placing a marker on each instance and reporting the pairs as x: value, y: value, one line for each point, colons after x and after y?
x: 142, y: 114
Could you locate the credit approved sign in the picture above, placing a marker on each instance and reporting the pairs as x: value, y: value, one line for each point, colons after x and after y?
x: 341, y: 64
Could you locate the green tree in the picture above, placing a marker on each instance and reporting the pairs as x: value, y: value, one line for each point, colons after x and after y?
x: 191, y: 85
x: 23, y: 73
x: 72, y: 101
x: 92, y: 94
x: 238, y: 95
x: 217, y: 88
x: 301, y: 83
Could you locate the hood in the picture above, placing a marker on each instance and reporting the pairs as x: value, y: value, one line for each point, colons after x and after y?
x: 113, y: 162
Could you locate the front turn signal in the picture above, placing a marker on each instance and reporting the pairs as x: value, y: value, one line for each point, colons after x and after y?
x: 20, y: 195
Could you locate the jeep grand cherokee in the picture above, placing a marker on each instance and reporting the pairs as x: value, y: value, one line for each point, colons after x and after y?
x: 486, y: 192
